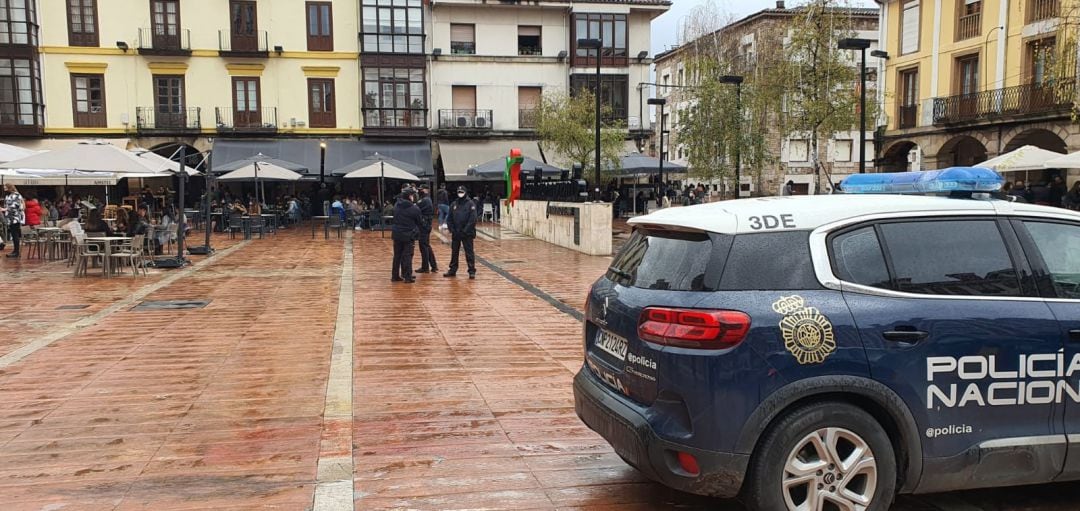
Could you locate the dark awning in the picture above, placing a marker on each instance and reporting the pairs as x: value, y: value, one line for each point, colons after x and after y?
x: 339, y: 153
x: 637, y: 164
x: 495, y: 169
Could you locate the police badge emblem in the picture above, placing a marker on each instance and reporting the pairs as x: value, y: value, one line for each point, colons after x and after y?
x: 808, y: 334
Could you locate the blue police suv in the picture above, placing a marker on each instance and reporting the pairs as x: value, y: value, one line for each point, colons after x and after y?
x: 818, y: 353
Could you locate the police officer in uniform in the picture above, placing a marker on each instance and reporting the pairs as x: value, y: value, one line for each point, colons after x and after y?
x: 462, y: 223
x: 427, y: 212
x: 406, y: 229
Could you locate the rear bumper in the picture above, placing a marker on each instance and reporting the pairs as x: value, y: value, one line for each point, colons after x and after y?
x: 626, y: 429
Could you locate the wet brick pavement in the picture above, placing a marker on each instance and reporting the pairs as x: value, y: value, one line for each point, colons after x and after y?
x: 460, y: 389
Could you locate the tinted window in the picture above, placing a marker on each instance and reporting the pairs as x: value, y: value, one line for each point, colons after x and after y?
x: 1059, y: 245
x: 775, y: 260
x: 950, y: 257
x: 857, y: 258
x: 670, y: 261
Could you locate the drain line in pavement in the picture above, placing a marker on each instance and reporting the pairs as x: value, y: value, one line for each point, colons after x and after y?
x: 533, y: 290
x: 334, y: 486
x: 31, y: 347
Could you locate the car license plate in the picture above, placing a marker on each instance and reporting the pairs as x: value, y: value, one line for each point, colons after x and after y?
x: 612, y: 344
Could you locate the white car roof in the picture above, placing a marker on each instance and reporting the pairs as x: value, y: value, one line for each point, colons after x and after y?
x: 804, y: 212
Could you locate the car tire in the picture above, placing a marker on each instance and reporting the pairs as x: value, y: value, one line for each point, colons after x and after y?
x: 836, y: 451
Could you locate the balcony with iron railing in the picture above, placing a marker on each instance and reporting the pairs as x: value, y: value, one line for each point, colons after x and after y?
x: 462, y: 48
x: 234, y: 44
x: 465, y: 120
x: 908, y: 116
x: 1043, y: 9
x: 968, y: 26
x: 528, y: 118
x: 168, y: 42
x: 530, y: 50
x: 1018, y: 101
x: 150, y: 119
x: 396, y: 122
x: 260, y: 122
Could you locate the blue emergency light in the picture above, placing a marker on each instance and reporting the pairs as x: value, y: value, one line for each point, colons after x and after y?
x: 952, y: 179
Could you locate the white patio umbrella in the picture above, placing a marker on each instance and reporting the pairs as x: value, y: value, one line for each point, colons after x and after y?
x: 158, y: 164
x: 42, y: 177
x: 382, y: 169
x: 1069, y: 161
x: 85, y: 157
x: 1025, y: 158
x: 9, y: 152
x: 258, y: 172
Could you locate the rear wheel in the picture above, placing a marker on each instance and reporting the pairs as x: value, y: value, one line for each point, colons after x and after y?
x: 823, y: 457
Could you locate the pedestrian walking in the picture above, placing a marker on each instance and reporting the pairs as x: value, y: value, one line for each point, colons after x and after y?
x: 16, y: 217
x: 427, y: 215
x: 443, y: 201
x: 1057, y: 191
x: 462, y: 224
x: 405, y: 231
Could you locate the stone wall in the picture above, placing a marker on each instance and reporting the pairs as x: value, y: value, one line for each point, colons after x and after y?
x: 585, y: 227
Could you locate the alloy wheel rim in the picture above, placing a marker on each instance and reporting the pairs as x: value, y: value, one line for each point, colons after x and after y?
x: 831, y: 469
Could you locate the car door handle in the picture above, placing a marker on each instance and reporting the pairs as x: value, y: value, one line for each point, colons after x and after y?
x: 908, y: 336
x: 1074, y: 335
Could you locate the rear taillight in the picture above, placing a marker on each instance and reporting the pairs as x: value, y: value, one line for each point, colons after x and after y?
x: 692, y: 328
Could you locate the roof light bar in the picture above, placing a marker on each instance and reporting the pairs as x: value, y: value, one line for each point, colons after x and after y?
x: 952, y: 179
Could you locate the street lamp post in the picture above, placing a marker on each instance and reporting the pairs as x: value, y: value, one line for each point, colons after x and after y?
x: 737, y: 82
x: 854, y: 43
x: 660, y: 102
x: 597, y: 45
x: 322, y: 163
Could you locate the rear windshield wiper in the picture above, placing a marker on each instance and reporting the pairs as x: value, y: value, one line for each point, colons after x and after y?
x: 620, y: 273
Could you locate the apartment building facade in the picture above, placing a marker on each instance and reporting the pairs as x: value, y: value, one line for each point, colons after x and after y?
x: 744, y: 40
x: 492, y: 63
x: 971, y: 79
x: 286, y: 77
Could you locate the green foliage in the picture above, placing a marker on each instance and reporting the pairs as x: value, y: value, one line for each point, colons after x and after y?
x: 797, y: 83
x: 565, y: 125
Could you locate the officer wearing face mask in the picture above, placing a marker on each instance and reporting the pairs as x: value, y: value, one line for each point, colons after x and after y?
x: 406, y: 230
x: 462, y: 223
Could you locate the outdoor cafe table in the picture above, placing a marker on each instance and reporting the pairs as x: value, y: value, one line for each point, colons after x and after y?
x: 108, y: 242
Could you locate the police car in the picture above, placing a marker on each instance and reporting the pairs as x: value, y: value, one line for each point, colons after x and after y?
x: 816, y: 353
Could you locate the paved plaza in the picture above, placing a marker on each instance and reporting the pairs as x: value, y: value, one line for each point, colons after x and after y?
x: 310, y: 381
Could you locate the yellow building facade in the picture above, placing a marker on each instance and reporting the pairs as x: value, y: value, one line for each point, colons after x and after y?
x: 967, y: 80
x: 192, y: 69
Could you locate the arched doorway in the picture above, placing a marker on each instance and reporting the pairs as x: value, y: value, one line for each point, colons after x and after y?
x: 961, y: 151
x: 1043, y: 139
x: 901, y: 157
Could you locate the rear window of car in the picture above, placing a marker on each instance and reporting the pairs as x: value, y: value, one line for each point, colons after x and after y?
x: 670, y: 260
x: 770, y: 261
x: 679, y: 261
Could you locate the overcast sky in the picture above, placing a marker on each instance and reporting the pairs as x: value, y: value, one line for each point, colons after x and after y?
x: 665, y: 28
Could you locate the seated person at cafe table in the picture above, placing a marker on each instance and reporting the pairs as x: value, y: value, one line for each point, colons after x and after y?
x: 94, y: 223
x: 238, y: 208
x: 140, y: 224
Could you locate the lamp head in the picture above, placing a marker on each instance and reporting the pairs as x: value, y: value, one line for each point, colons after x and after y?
x: 853, y: 43
x: 657, y: 101
x: 731, y: 79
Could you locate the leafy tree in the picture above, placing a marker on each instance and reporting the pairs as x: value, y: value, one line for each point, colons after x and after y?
x: 565, y: 125
x: 820, y: 81
x: 796, y: 83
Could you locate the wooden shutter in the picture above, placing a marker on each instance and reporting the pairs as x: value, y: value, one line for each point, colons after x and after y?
x: 909, y: 30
